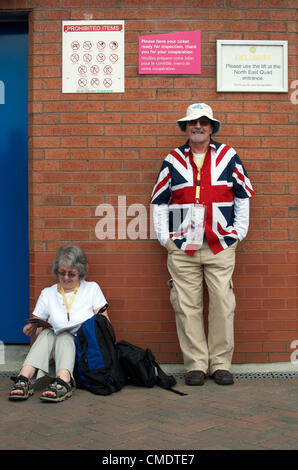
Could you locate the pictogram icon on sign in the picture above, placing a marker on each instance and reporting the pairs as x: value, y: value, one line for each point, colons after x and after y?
x: 101, y: 57
x: 87, y: 57
x: 107, y: 82
x: 74, y: 57
x: 101, y: 45
x: 114, y: 58
x: 75, y: 45
x: 94, y: 82
x: 108, y: 69
x: 82, y: 69
x: 82, y: 82
x: 114, y: 45
x: 87, y: 45
x: 94, y: 69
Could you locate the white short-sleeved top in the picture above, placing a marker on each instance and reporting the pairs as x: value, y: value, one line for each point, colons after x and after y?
x: 50, y: 306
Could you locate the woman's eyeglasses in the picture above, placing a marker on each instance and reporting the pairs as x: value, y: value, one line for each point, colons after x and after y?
x: 69, y: 273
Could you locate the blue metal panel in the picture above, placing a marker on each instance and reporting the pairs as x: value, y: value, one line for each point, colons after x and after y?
x: 14, y: 181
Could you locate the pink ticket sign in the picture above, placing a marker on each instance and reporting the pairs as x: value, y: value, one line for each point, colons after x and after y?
x: 173, y: 53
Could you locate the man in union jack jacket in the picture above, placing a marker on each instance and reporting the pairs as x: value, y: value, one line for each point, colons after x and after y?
x: 201, y: 211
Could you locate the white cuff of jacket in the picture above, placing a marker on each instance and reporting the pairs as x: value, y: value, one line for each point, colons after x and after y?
x: 241, y: 216
x: 161, y: 222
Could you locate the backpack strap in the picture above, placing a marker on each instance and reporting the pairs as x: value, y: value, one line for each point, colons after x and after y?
x: 166, y: 381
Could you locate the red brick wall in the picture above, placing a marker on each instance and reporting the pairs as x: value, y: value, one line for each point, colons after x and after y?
x: 88, y: 149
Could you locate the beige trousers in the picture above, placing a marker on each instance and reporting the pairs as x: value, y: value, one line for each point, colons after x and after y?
x: 188, y: 273
x: 48, y: 347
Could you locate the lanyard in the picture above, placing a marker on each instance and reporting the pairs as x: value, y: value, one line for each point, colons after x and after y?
x: 199, y: 166
x: 68, y: 306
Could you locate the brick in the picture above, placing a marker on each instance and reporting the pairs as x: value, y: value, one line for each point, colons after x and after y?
x: 283, y: 177
x: 289, y: 246
x: 56, y: 223
x: 122, y: 130
x: 45, y: 188
x: 279, y: 357
x: 45, y: 142
x: 273, y: 26
x: 87, y: 224
x: 74, y: 235
x: 256, y: 130
x: 83, y: 153
x: 104, y: 142
x: 90, y: 201
x: 244, y: 118
x: 44, y: 95
x: 78, y: 188
x: 87, y: 130
x: 57, y: 200
x: 71, y: 142
x: 70, y: 118
x: 283, y: 201
x: 56, y: 130
x: 287, y: 269
x: 248, y: 347
x: 55, y: 107
x: 55, y: 176
x: 275, y: 235
x: 73, y: 166
x: 139, y: 118
x: 86, y: 107
x: 103, y: 118
x: 257, y: 357
x: 57, y: 154
x: 46, y: 235
x: 120, y: 177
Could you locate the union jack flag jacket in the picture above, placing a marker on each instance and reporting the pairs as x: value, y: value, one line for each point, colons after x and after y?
x: 222, y: 178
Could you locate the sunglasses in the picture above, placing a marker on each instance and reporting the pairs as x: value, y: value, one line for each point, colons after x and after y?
x: 203, y: 122
x: 69, y: 273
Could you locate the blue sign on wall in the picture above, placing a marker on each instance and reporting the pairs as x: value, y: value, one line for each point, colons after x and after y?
x: 14, y: 181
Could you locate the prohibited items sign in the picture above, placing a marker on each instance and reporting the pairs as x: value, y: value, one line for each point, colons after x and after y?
x: 93, y: 56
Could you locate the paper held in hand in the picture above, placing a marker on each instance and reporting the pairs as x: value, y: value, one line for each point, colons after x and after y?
x: 39, y: 322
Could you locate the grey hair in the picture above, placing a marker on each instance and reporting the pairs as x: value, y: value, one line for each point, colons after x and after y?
x: 72, y: 256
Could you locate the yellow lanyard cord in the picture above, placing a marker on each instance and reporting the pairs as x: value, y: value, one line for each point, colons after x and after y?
x: 199, y: 166
x: 68, y: 306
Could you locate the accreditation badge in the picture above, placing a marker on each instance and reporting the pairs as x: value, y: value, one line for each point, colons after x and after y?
x: 195, y: 235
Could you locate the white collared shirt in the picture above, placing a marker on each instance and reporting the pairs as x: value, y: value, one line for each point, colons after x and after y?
x: 50, y: 306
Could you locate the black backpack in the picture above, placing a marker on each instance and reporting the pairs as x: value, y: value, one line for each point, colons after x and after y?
x: 142, y: 369
x: 97, y: 367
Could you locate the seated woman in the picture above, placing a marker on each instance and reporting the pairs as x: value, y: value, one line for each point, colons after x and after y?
x: 65, y: 306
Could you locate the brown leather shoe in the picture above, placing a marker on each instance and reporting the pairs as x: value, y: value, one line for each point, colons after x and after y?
x: 223, y: 377
x: 195, y: 377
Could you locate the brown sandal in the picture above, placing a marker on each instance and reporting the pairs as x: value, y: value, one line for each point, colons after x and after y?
x: 23, y: 384
x: 61, y: 389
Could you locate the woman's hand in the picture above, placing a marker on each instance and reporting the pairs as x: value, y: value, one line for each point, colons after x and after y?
x: 105, y: 314
x: 30, y: 329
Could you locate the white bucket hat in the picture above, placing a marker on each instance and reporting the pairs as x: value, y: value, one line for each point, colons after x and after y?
x: 195, y: 111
